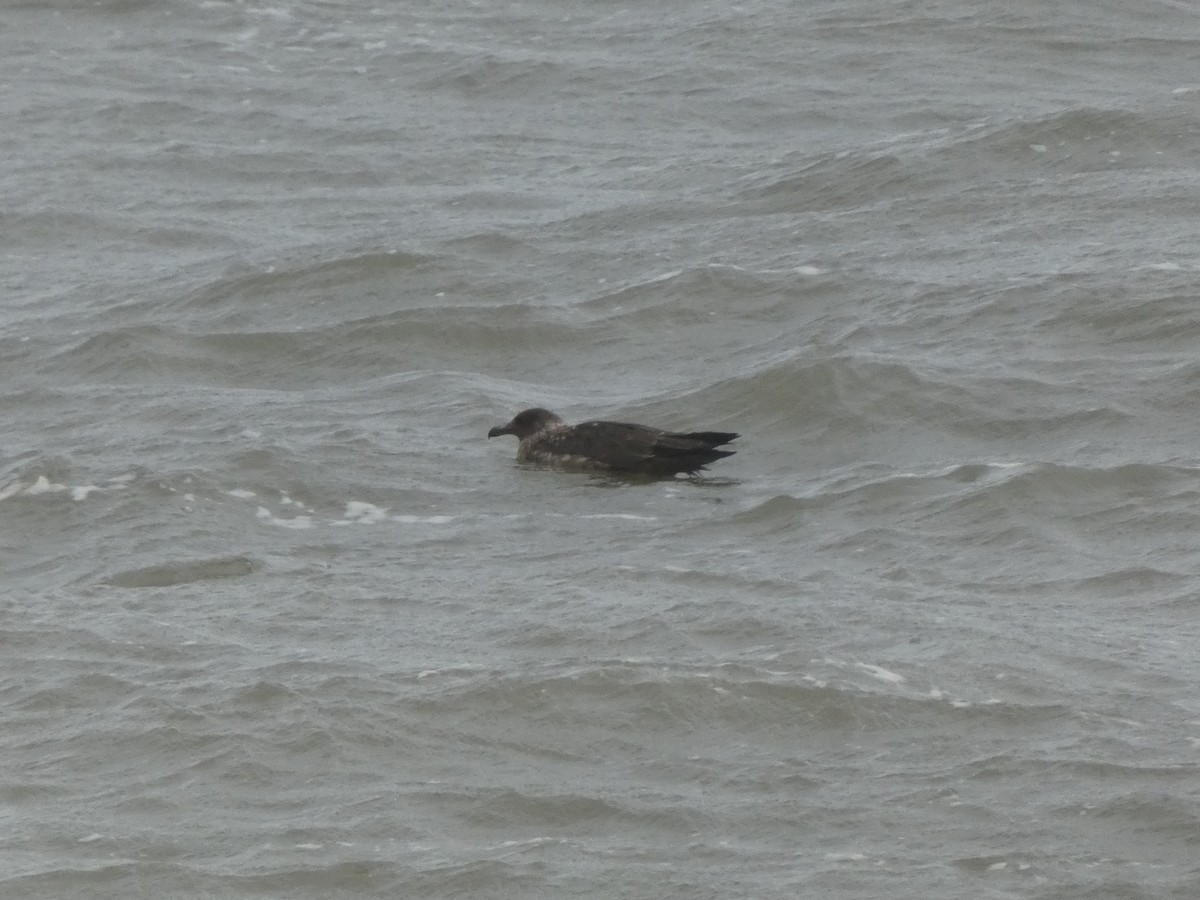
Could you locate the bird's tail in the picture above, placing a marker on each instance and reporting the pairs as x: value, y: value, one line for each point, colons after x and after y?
x: 708, y: 438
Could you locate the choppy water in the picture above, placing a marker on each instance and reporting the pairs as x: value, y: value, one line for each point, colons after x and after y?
x: 279, y: 621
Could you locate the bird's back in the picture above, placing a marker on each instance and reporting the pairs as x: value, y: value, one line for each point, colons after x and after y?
x: 626, y: 448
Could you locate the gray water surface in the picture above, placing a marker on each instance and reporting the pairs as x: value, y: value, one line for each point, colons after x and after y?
x: 279, y: 621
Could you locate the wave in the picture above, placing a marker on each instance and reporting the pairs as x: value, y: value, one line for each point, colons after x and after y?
x: 1029, y: 151
x: 826, y: 694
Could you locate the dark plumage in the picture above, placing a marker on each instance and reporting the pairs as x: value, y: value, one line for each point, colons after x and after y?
x: 618, y: 447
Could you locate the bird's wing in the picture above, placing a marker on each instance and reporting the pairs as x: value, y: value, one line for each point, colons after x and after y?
x: 616, y: 444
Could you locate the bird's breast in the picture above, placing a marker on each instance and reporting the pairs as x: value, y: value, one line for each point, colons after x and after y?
x: 529, y: 452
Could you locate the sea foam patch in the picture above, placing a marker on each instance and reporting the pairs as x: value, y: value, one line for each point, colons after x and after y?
x: 43, y: 485
x: 363, y: 513
x: 296, y: 522
x: 881, y: 673
x: 298, y: 515
x: 77, y: 492
x: 629, y: 517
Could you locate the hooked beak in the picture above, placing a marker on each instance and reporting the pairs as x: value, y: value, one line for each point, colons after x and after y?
x: 499, y: 430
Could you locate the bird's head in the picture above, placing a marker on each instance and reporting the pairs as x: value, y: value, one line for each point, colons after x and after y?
x: 531, y: 421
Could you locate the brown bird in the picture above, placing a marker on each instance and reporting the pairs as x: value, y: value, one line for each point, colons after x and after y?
x: 617, y: 447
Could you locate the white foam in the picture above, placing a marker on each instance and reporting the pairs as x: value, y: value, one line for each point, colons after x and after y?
x: 530, y: 842
x: 365, y: 513
x: 241, y: 494
x: 629, y: 516
x: 808, y: 270
x: 274, y: 12
x: 43, y: 485
x: 298, y: 523
x: 882, y: 674
x: 358, y: 512
x: 465, y: 669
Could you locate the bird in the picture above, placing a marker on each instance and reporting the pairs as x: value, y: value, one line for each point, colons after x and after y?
x: 620, y: 448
